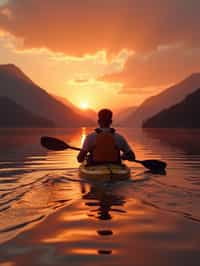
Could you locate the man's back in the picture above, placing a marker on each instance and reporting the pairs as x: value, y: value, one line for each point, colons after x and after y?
x: 105, y: 143
x: 90, y: 141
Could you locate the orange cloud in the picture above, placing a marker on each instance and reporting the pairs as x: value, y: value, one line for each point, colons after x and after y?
x: 77, y: 37
x: 167, y: 65
x: 77, y: 27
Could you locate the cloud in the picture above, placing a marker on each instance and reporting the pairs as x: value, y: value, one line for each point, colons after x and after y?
x: 53, y: 71
x: 77, y: 27
x: 162, y: 67
x: 160, y: 39
x: 143, y: 92
x: 3, y: 2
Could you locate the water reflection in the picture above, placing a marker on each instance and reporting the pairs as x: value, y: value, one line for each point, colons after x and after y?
x: 103, y: 201
x: 186, y: 140
x: 83, y: 135
x: 46, y: 215
x: 156, y: 172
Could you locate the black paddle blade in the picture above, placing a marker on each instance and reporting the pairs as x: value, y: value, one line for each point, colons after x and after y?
x: 154, y: 165
x: 53, y: 144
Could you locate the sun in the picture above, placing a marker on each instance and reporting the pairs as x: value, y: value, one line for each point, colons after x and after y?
x: 84, y: 105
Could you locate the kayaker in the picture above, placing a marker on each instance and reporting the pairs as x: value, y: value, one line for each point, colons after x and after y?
x: 105, y: 145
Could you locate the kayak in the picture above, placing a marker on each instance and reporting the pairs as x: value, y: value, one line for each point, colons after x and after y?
x: 105, y: 172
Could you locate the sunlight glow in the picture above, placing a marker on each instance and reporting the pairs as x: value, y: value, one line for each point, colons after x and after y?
x: 84, y: 105
x: 83, y: 135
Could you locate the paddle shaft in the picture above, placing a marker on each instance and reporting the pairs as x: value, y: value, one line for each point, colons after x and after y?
x: 74, y: 148
x: 59, y: 145
x: 136, y: 161
x: 79, y: 149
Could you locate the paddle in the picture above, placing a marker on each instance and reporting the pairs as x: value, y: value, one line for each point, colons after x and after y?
x: 56, y: 144
x: 59, y: 145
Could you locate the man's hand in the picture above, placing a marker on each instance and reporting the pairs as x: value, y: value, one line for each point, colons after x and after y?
x: 130, y: 156
x: 81, y: 156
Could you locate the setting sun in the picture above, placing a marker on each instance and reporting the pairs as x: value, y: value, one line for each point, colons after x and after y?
x: 84, y: 105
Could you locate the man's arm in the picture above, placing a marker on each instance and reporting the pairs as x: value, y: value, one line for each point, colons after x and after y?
x: 128, y: 154
x: 84, y: 150
x: 81, y: 156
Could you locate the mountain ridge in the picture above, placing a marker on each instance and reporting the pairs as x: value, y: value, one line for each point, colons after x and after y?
x: 16, y: 116
x: 185, y: 114
x: 17, y: 86
x: 170, y: 96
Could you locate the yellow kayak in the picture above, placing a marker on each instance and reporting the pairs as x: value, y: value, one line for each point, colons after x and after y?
x: 105, y: 172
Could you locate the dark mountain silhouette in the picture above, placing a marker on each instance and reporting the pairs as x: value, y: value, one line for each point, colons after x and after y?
x: 88, y: 113
x: 14, y: 115
x: 165, y: 99
x: 15, y: 85
x: 185, y: 114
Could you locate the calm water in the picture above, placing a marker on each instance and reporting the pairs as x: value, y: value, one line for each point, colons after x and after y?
x: 48, y: 216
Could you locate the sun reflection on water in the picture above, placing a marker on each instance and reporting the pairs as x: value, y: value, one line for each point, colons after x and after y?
x: 83, y: 135
x: 44, y: 201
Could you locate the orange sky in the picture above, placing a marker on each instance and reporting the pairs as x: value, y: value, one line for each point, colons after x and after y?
x: 104, y: 53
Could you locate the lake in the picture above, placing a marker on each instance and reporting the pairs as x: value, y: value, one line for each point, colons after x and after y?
x: 49, y: 216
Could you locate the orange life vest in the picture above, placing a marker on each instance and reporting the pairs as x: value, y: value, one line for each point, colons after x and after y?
x: 105, y: 150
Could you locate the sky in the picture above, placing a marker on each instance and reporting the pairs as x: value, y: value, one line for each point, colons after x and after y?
x: 104, y: 53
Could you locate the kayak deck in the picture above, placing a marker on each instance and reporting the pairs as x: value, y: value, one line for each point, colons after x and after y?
x: 104, y: 172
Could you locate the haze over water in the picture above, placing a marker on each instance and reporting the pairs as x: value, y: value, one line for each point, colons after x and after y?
x: 48, y: 216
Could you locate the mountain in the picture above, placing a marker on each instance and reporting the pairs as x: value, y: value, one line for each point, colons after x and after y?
x: 66, y: 102
x: 15, y: 115
x: 165, y: 99
x: 182, y: 115
x: 15, y: 85
x: 123, y: 114
x: 88, y: 113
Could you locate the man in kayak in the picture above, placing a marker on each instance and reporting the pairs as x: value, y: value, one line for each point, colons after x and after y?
x: 105, y: 145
